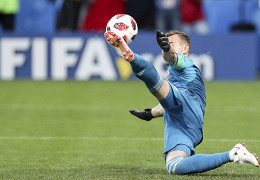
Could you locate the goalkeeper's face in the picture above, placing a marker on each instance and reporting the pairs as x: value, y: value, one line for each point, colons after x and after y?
x: 178, y: 45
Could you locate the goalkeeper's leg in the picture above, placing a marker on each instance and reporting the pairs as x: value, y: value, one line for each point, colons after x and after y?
x: 142, y: 69
x: 197, y: 163
x: 204, y: 162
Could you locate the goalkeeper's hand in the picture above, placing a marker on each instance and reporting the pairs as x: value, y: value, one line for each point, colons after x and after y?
x: 145, y: 115
x: 163, y: 41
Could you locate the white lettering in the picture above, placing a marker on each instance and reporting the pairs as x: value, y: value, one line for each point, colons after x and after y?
x: 158, y: 63
x: 148, y: 56
x: 96, y: 60
x: 39, y: 59
x: 62, y: 59
x: 206, y: 64
x: 10, y: 59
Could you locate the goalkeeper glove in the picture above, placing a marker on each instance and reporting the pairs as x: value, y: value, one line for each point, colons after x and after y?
x: 145, y: 115
x: 163, y: 41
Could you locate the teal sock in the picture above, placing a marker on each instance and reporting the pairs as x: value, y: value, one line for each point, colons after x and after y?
x: 146, y: 72
x: 197, y: 163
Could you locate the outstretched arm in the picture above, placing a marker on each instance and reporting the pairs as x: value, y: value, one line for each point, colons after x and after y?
x: 168, y: 52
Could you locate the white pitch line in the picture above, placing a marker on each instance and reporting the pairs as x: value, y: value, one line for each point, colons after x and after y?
x: 57, y: 106
x: 78, y: 138
x: 232, y: 108
x: 116, y: 139
x: 232, y: 140
x: 51, y: 106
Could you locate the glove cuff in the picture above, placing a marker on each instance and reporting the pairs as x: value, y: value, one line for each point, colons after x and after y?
x: 148, y: 112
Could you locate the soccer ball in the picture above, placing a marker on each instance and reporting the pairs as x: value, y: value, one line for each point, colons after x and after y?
x: 123, y: 25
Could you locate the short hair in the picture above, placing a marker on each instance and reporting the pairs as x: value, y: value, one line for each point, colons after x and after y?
x: 184, y: 37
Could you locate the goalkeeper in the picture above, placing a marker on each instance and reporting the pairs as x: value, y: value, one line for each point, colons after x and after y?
x: 182, y: 102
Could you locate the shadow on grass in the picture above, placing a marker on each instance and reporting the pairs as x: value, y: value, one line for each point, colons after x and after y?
x: 109, y: 171
x: 225, y: 175
x: 161, y: 173
x: 135, y: 172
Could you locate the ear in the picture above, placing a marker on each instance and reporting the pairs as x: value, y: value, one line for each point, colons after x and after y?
x: 186, y: 49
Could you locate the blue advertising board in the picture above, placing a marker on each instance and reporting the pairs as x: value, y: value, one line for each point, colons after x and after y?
x: 88, y: 56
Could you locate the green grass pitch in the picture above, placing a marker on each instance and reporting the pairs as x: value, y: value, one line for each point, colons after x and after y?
x: 83, y: 130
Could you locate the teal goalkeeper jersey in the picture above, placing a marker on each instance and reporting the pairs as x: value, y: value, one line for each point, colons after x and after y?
x: 185, y: 76
x: 184, y: 122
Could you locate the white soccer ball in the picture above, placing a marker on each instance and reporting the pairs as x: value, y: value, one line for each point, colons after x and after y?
x: 123, y: 25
